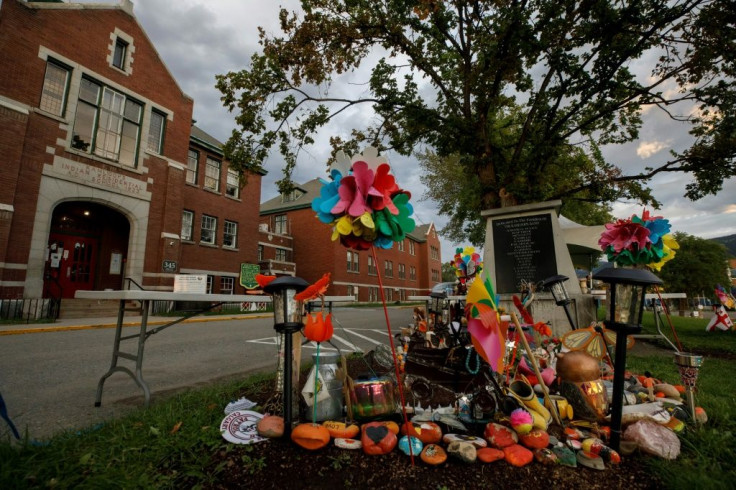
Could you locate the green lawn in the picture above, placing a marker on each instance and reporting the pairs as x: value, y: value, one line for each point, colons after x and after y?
x: 172, y: 441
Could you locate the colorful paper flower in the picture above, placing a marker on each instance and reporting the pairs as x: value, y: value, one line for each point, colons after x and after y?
x: 365, y: 206
x: 467, y: 263
x: 638, y: 240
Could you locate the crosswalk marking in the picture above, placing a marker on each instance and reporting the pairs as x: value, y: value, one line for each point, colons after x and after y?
x: 353, y: 332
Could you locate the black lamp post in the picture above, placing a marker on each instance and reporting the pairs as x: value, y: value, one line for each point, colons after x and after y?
x: 556, y: 285
x: 287, y: 315
x: 624, y: 308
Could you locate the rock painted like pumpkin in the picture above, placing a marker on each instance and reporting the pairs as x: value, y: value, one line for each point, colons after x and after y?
x: 310, y: 436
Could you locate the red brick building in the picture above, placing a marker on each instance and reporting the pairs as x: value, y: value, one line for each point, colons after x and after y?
x: 104, y: 177
x: 293, y: 241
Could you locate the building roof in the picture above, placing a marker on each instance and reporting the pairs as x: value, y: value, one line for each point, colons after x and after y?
x: 307, y: 192
x: 202, y: 138
x: 420, y: 232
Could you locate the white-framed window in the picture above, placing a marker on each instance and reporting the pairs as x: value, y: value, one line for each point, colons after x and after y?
x: 212, y: 175
x: 280, y: 224
x: 210, y: 281
x: 371, y: 266
x: 389, y: 269
x: 227, y: 284
x: 281, y: 254
x: 351, y: 290
x: 230, y: 237
x: 55, y: 86
x: 402, y: 271
x: 401, y: 246
x: 232, y: 186
x: 107, y: 123
x: 435, y: 275
x: 389, y: 294
x: 353, y: 261
x: 260, y: 252
x: 156, y: 132
x: 412, y: 273
x: 119, y: 54
x: 192, y: 167
x: 187, y: 225
x: 209, y: 229
x: 434, y: 252
x: 373, y: 295
x: 411, y: 248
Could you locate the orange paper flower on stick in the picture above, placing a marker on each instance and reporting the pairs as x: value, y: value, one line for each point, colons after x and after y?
x: 318, y: 328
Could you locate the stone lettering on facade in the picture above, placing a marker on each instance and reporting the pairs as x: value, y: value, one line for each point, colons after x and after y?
x: 99, y: 177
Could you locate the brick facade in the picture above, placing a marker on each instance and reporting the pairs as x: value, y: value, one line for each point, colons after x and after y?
x: 314, y: 253
x: 94, y: 203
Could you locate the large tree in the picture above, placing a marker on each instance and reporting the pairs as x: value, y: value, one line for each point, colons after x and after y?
x: 519, y: 94
x: 699, y: 265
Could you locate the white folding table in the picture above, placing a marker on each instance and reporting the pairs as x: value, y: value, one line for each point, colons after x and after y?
x: 145, y: 298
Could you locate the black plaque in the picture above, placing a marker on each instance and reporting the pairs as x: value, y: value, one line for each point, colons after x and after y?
x: 524, y: 250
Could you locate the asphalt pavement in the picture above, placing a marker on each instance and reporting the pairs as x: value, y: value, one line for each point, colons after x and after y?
x: 49, y: 373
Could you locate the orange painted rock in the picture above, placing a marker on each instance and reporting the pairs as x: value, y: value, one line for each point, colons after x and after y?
x: 490, y: 454
x: 341, y: 429
x: 377, y: 438
x: 536, y: 439
x: 427, y: 432
x: 270, y: 426
x: 310, y: 436
x: 500, y: 436
x: 391, y: 425
x: 433, y: 454
x: 518, y: 455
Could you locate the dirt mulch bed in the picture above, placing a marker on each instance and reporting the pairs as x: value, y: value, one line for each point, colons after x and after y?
x: 279, y: 463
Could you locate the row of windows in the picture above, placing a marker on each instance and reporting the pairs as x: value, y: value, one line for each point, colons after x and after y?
x: 212, y: 174
x: 107, y: 122
x: 373, y: 294
x: 208, y: 230
x: 354, y: 266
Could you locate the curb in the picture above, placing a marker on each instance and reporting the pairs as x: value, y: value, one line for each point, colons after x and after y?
x: 96, y: 326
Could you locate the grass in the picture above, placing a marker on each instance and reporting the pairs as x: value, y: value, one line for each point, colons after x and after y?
x: 170, y: 445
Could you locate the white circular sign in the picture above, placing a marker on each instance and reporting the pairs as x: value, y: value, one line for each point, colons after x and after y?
x: 239, y: 427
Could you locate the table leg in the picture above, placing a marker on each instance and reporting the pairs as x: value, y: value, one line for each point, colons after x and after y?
x: 115, y: 351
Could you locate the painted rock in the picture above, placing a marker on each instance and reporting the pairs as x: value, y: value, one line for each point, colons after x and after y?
x: 590, y: 460
x: 478, y: 442
x: 596, y: 446
x: 565, y: 456
x: 574, y: 444
x: 341, y: 429
x: 463, y: 451
x: 545, y: 456
x: 310, y: 436
x: 499, y: 435
x: 390, y: 425
x: 345, y: 443
x: 411, y: 446
x: 490, y: 454
x: 377, y: 438
x: 427, y: 432
x: 270, y: 426
x: 536, y: 439
x: 517, y: 455
x: 433, y: 454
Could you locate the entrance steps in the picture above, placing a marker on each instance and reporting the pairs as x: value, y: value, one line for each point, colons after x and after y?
x: 72, y: 308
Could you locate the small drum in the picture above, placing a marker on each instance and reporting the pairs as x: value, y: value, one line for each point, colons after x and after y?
x: 373, y: 399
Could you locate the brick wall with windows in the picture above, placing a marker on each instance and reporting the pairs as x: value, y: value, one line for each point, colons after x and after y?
x: 83, y: 90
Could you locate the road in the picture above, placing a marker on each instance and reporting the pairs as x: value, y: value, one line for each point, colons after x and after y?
x: 49, y: 380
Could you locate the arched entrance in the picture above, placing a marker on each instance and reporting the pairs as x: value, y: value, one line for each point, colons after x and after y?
x: 87, y: 249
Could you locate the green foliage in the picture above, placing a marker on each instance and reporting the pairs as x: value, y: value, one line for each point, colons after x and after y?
x: 515, y: 96
x: 448, y: 272
x: 698, y: 266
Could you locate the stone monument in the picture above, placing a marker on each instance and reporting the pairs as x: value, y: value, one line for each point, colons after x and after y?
x: 526, y: 244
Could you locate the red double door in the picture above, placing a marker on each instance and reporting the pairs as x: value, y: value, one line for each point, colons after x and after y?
x: 72, y: 262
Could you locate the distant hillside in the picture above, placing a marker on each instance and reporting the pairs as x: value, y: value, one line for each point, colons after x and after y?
x: 729, y: 241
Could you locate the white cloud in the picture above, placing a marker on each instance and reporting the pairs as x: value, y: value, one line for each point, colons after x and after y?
x: 649, y: 148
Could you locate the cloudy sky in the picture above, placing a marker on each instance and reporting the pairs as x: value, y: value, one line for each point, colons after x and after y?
x: 198, y: 39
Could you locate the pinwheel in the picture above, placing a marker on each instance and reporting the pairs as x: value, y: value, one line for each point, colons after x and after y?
x: 638, y: 240
x: 487, y: 332
x: 466, y: 263
x: 363, y: 203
